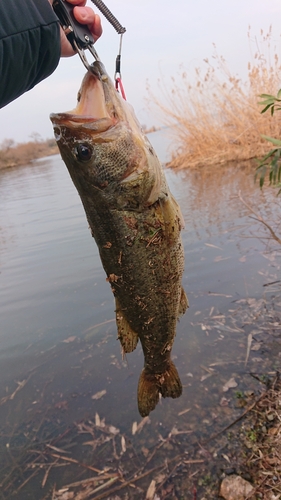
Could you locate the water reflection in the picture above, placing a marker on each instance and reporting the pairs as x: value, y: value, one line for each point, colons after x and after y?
x: 56, y: 310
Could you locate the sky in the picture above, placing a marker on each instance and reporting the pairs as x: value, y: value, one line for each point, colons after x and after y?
x: 161, y: 37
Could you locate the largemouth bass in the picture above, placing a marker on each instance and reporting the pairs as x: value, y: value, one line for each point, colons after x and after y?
x: 136, y: 223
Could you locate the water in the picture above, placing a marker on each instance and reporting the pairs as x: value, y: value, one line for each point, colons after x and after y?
x: 57, y: 329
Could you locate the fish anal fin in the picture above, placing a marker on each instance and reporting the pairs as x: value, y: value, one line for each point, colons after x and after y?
x: 128, y: 338
x: 150, y: 385
x: 183, y: 305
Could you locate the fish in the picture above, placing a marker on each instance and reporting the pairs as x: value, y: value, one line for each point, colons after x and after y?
x: 136, y: 223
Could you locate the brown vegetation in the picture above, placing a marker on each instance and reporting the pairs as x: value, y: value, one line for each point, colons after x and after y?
x: 262, y: 438
x: 218, y: 118
x: 13, y: 154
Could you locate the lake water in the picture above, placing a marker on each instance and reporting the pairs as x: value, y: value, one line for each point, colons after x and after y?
x: 58, y: 344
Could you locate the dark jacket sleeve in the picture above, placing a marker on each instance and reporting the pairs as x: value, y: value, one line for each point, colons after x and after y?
x: 29, y: 45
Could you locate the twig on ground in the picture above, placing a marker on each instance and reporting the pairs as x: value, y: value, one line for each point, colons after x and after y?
x: 260, y: 219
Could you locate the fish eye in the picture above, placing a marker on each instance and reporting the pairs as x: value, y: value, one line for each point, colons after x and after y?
x: 84, y: 152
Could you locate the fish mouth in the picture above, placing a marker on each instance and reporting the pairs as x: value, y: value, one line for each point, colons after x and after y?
x: 95, y: 102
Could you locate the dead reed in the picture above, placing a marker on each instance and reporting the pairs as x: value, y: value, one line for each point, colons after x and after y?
x: 263, y: 438
x: 13, y: 154
x: 217, y: 118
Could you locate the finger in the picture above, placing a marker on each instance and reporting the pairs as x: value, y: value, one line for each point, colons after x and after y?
x: 77, y: 2
x: 85, y: 15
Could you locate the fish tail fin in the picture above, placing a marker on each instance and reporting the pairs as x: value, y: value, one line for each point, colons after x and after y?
x: 148, y: 393
x: 150, y: 385
x: 170, y: 382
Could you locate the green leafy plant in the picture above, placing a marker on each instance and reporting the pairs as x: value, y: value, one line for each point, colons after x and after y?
x: 272, y: 160
x: 271, y: 102
x: 252, y: 436
x: 239, y: 394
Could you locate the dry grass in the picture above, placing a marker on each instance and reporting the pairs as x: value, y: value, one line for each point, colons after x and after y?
x: 13, y: 155
x: 217, y: 118
x: 263, y: 430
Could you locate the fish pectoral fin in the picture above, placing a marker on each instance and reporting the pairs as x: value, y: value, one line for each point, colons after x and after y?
x: 128, y: 338
x: 171, y: 211
x: 184, y: 304
x: 150, y: 385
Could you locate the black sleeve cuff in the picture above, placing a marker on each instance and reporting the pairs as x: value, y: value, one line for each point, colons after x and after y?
x: 29, y: 46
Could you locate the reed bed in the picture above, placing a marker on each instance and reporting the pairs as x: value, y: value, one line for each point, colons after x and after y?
x: 216, y: 117
x: 13, y: 154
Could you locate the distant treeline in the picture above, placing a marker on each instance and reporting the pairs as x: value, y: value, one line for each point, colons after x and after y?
x: 13, y: 154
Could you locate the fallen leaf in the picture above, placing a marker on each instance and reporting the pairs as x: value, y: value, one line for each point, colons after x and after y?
x: 61, y: 405
x: 249, y: 393
x: 272, y: 431
x: 99, y: 394
x: 212, y: 246
x: 184, y: 411
x: 256, y: 347
x: 219, y: 294
x: 230, y: 384
x: 145, y: 451
x: 243, y: 259
x: 174, y: 432
x: 151, y: 490
x: 160, y: 478
x: 97, y: 420
x: 204, y: 377
x: 220, y: 258
x: 113, y: 430
x: 249, y: 343
x: 134, y: 428
x: 67, y: 496
x: 145, y: 420
x: 123, y: 444
x: 270, y: 257
x: 224, y: 401
x: 70, y: 339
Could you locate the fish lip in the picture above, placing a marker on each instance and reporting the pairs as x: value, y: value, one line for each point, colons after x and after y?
x: 71, y: 117
x: 97, y: 71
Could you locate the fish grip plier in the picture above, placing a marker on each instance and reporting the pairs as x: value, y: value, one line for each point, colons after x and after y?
x: 81, y: 38
x: 77, y: 34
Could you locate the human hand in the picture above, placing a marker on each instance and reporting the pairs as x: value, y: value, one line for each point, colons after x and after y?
x: 84, y: 15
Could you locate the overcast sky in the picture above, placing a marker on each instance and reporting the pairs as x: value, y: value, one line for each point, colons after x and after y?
x: 160, y: 37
